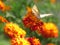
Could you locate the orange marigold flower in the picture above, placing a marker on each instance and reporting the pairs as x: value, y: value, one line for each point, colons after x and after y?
x: 50, y: 44
x: 2, y: 19
x: 53, y: 1
x: 19, y: 41
x: 29, y: 9
x: 49, y: 30
x: 3, y: 7
x: 34, y: 41
x: 13, y: 30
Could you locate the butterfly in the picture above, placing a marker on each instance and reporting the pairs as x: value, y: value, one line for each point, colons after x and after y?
x: 37, y: 14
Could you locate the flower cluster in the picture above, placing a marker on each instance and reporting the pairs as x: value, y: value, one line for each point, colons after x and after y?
x: 47, y: 30
x: 3, y: 7
x: 17, y: 35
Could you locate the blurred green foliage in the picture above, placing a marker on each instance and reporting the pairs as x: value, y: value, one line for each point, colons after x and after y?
x: 18, y: 11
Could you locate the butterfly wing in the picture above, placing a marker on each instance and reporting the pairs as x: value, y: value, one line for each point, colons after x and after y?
x: 35, y: 11
x: 45, y: 15
x: 37, y: 14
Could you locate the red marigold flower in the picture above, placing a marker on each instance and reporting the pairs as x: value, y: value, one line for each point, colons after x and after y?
x: 30, y: 18
x: 34, y: 41
x: 37, y: 26
x: 50, y: 44
x: 13, y: 30
x: 2, y: 19
x: 49, y: 30
x: 31, y: 21
x: 19, y: 41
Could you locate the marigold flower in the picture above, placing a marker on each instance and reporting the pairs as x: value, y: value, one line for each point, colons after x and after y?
x: 3, y: 7
x: 2, y: 19
x: 37, y: 26
x: 34, y: 41
x: 30, y: 18
x: 19, y: 41
x: 13, y: 30
x: 49, y: 30
x: 53, y: 1
x: 50, y: 44
x: 31, y: 21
